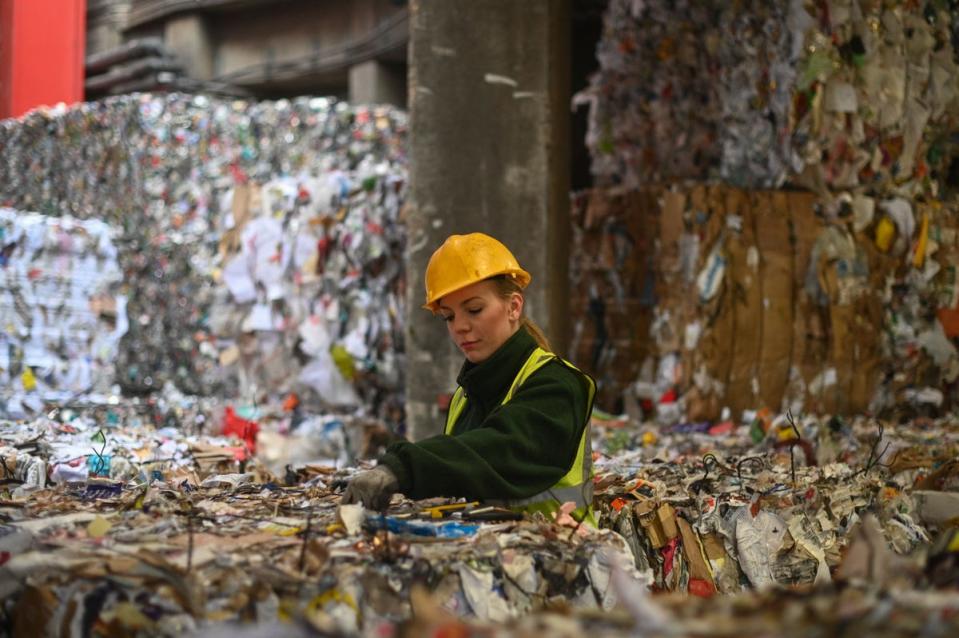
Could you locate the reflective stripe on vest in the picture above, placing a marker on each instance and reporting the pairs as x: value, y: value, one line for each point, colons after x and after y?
x: 577, y: 484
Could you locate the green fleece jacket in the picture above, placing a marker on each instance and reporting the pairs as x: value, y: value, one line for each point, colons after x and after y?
x: 500, y: 452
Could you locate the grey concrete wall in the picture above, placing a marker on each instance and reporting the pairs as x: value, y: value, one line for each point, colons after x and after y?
x: 307, y: 38
x: 188, y: 36
x: 373, y: 82
x: 278, y: 46
x: 106, y: 20
x: 489, y: 149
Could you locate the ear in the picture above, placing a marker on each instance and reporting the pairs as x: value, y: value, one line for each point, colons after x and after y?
x: 515, y: 306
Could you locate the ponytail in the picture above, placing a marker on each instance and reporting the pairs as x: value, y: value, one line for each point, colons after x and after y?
x: 537, y: 333
x: 505, y: 287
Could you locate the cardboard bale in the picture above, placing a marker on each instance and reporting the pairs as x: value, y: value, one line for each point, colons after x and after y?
x: 611, y: 287
x: 778, y: 294
x: 745, y: 295
x: 809, y: 339
x: 709, y: 363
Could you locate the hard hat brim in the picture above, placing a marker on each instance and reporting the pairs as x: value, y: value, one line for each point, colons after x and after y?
x: 521, y: 276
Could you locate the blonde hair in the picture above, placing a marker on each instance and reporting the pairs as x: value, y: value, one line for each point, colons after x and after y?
x: 505, y: 288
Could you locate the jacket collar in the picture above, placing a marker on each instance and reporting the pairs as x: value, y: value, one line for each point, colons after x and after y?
x: 491, y: 379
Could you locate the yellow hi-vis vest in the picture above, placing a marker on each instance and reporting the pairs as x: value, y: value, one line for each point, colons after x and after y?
x: 577, y: 484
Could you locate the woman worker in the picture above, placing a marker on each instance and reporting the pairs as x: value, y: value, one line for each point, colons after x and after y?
x: 517, y: 431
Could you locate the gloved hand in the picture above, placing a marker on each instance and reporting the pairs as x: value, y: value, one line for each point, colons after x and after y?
x: 373, y: 488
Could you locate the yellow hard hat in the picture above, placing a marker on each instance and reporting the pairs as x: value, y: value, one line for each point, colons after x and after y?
x: 463, y: 260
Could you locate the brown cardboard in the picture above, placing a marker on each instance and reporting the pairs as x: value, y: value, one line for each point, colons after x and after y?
x: 808, y: 344
x: 698, y: 197
x: 714, y: 355
x: 746, y: 300
x: 842, y: 356
x: 243, y: 200
x: 778, y: 281
x: 597, y: 208
x: 104, y: 305
x: 702, y: 406
x: 713, y: 546
x: 716, y: 207
x: 640, y: 222
x: 868, y: 355
x: 647, y: 517
x: 671, y: 218
x: 667, y: 520
x: 698, y: 568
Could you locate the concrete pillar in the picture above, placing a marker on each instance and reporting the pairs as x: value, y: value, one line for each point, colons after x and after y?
x: 489, y: 151
x: 373, y: 82
x: 188, y: 36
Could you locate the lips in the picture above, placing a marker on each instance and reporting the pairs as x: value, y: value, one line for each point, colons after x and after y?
x: 468, y: 345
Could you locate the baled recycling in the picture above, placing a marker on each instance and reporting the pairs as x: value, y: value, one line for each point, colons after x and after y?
x: 694, y: 298
x: 252, y: 239
x: 834, y: 293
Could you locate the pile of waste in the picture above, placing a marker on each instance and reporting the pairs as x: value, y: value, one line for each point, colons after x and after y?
x: 775, y: 503
x: 163, y: 530
x: 823, y: 611
x: 257, y: 247
x: 136, y: 518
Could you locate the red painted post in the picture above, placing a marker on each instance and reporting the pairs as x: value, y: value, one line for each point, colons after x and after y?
x: 42, y: 45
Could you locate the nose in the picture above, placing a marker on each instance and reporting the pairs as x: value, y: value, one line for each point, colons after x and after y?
x: 460, y: 324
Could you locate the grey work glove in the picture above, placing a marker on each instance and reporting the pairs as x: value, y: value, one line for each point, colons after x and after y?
x: 373, y: 488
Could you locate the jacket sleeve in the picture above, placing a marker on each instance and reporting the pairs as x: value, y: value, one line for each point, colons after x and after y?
x: 521, y: 449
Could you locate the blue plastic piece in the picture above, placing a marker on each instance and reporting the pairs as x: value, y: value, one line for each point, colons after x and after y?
x: 446, y: 529
x: 99, y: 465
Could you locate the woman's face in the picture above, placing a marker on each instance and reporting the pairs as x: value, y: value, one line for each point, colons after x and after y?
x: 479, y: 320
